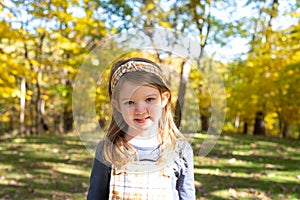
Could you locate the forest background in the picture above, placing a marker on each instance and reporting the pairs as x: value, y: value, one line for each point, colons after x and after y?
x: 43, y: 44
x: 254, y: 45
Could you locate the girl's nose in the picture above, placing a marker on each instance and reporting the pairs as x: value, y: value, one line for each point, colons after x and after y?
x: 140, y: 109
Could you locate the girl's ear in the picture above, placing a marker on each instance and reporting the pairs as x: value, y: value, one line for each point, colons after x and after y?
x: 165, y: 98
x: 115, y: 104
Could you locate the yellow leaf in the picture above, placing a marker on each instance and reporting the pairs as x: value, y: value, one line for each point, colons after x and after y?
x: 29, y: 92
x: 11, y: 79
x: 250, y: 64
x: 5, y: 117
x: 290, y: 72
x: 16, y: 93
x: 283, y: 38
x: 34, y: 62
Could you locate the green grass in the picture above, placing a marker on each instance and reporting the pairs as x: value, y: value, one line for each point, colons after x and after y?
x: 248, y: 167
x: 47, y: 167
x: 239, y: 167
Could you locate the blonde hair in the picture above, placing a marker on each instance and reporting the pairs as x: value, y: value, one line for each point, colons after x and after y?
x: 116, y: 150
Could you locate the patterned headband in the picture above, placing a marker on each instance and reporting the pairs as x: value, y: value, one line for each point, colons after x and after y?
x: 133, y: 66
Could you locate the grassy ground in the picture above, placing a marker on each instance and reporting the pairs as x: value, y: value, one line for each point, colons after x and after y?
x: 48, y: 167
x: 248, y: 167
x: 239, y: 167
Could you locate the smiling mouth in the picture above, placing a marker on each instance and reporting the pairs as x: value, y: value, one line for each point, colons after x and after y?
x: 141, y: 121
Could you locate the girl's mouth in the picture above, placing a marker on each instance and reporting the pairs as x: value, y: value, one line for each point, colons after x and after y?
x: 142, y: 120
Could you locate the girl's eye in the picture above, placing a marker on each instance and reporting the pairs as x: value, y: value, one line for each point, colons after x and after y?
x: 149, y: 100
x: 129, y: 102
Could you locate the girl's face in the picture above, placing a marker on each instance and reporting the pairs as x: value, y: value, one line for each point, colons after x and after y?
x: 141, y: 108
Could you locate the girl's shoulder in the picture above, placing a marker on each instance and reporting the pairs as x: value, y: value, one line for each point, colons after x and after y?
x: 184, y: 148
x: 184, y: 162
x: 99, y: 153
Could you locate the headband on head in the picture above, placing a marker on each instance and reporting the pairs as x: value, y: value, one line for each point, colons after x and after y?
x: 133, y: 66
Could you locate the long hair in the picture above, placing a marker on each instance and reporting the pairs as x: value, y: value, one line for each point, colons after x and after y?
x: 116, y: 149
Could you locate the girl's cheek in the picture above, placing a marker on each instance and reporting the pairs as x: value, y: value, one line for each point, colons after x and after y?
x: 157, y: 109
x: 129, y: 110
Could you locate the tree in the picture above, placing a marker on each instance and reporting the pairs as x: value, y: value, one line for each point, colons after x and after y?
x: 257, y: 86
x: 49, y: 44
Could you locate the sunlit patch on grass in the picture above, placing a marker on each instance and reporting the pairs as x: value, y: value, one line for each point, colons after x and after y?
x: 248, y: 167
x: 248, y: 193
x: 71, y: 169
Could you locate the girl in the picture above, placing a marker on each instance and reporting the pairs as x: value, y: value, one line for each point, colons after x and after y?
x: 143, y: 156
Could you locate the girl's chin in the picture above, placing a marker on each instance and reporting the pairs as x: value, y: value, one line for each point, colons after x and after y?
x: 143, y: 126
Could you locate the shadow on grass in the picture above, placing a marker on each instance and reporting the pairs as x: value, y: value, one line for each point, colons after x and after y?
x: 249, y: 167
x: 228, y: 187
x: 47, y: 167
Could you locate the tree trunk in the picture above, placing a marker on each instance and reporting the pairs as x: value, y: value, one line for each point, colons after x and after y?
x: 68, y: 120
x: 67, y: 113
x: 56, y: 124
x: 61, y: 123
x: 245, y: 128
x: 11, y: 121
x: 32, y: 115
x: 237, y: 121
x: 22, y: 105
x: 184, y: 75
x: 204, y: 123
x: 29, y: 129
x: 39, y: 118
x: 286, y: 130
x: 259, y: 126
